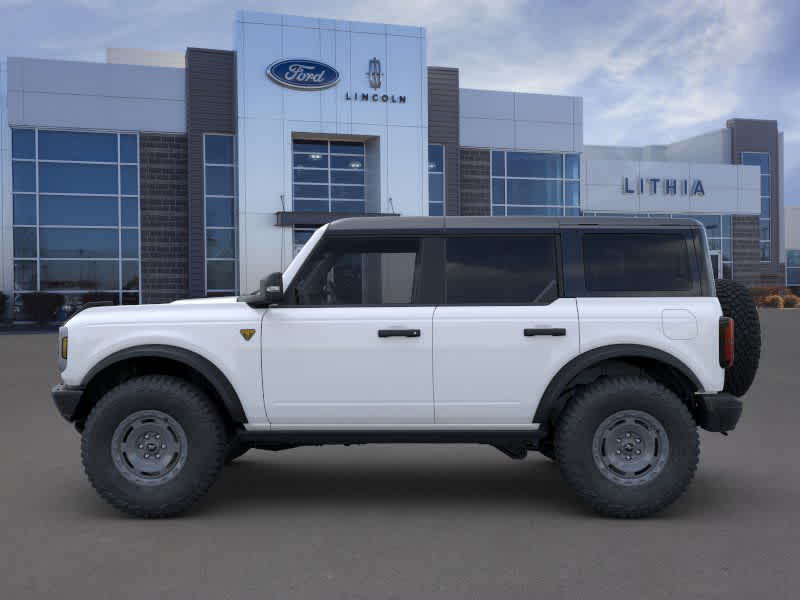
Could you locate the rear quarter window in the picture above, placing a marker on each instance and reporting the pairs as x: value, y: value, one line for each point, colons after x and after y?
x: 628, y: 263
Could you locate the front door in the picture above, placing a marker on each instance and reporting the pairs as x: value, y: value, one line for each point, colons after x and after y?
x: 352, y: 345
x: 503, y: 331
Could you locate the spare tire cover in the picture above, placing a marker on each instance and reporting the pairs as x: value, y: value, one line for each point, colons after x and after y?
x: 738, y: 304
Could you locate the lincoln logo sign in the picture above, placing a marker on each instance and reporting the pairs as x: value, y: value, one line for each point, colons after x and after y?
x: 302, y: 74
x: 667, y: 186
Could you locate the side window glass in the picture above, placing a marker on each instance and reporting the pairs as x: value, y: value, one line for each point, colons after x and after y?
x: 501, y: 269
x: 359, y: 272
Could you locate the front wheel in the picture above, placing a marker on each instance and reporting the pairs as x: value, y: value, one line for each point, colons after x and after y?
x: 153, y: 445
x: 628, y: 446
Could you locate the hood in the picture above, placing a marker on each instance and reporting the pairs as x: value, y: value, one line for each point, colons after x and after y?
x: 219, y: 300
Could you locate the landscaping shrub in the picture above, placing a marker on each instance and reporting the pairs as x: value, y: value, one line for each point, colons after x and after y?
x: 41, y: 306
x: 773, y: 301
x: 790, y: 301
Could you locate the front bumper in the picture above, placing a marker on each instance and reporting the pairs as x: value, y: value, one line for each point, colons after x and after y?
x: 718, y: 412
x: 67, y: 400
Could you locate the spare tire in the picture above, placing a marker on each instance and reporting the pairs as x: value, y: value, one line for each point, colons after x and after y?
x: 738, y: 304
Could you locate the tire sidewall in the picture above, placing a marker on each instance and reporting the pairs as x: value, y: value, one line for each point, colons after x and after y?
x: 180, y: 401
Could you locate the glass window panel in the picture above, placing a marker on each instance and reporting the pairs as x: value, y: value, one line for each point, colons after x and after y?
x: 763, y: 228
x: 77, y: 145
x: 311, y: 205
x: 79, y: 275
x: 714, y: 243
x: 726, y: 226
x: 572, y: 211
x: 23, y: 143
x: 219, y: 212
x: 24, y: 209
x: 346, y: 162
x: 498, y: 210
x: 498, y: 163
x: 759, y: 159
x: 501, y: 270
x: 573, y: 166
x: 219, y: 149
x: 316, y: 161
x: 128, y: 148
x: 348, y: 192
x: 621, y: 262
x: 348, y: 206
x: 23, y: 176
x: 130, y: 243
x: 25, y: 242
x: 521, y: 191
x: 130, y: 212
x: 347, y: 148
x: 435, y: 158
x: 793, y: 258
x: 793, y: 277
x: 353, y: 177
x: 78, y: 243
x: 77, y: 210
x: 25, y: 275
x: 310, y: 146
x: 130, y: 274
x: 532, y: 164
x: 128, y: 299
x: 727, y: 249
x: 301, y: 236
x: 712, y: 224
x: 765, y: 250
x: 498, y: 191
x: 77, y: 179
x: 220, y: 243
x: 220, y: 275
x: 727, y: 270
x: 765, y: 207
x: 219, y: 181
x: 436, y: 209
x: 765, y: 185
x: 311, y: 175
x: 129, y: 180
x: 353, y: 271
x: 536, y: 211
x: 436, y: 187
x: 573, y: 193
x: 310, y: 191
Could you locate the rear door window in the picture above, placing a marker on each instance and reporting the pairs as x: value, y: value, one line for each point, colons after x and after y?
x: 501, y: 269
x: 637, y: 262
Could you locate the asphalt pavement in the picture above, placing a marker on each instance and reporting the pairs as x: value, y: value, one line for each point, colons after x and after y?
x: 406, y: 522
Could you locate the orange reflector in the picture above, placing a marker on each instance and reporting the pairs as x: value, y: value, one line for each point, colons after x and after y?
x: 726, y: 330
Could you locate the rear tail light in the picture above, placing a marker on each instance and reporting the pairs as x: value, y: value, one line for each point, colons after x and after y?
x: 726, y: 326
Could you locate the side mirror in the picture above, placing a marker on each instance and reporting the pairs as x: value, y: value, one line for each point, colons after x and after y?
x: 271, y: 288
x: 270, y: 291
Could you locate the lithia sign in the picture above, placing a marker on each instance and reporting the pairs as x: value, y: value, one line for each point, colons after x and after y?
x: 667, y: 186
x: 306, y: 74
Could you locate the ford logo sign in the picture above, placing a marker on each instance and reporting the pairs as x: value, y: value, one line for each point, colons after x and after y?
x: 303, y: 74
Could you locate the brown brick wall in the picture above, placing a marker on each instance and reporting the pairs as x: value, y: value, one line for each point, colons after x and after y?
x: 164, y: 217
x: 747, y: 268
x: 475, y: 198
x: 443, y: 128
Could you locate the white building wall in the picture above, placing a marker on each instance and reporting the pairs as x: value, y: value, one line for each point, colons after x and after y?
x: 712, y: 147
x: 81, y: 95
x: 269, y: 115
x: 511, y: 120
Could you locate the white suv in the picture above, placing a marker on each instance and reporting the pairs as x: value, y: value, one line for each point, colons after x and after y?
x: 601, y: 343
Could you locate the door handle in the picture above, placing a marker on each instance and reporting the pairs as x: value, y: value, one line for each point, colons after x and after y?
x: 412, y: 333
x: 553, y: 331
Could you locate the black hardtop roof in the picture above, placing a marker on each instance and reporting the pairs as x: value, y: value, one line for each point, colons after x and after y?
x: 439, y: 224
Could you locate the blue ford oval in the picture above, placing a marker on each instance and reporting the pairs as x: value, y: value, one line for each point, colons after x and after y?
x: 303, y: 74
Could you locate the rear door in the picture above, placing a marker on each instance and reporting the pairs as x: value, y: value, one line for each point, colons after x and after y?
x: 503, y: 330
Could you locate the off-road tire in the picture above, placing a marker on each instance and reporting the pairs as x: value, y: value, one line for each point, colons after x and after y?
x: 738, y: 304
x: 236, y: 448
x: 547, y: 449
x: 575, y: 435
x: 191, y: 409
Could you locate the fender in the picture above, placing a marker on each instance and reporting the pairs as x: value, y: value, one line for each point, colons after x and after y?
x: 577, y: 365
x: 191, y: 359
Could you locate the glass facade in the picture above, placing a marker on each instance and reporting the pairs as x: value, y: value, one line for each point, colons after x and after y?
x: 793, y: 267
x: 535, y: 183
x: 435, y: 180
x: 761, y: 160
x: 718, y: 231
x: 219, y: 158
x: 75, y: 217
x: 328, y: 176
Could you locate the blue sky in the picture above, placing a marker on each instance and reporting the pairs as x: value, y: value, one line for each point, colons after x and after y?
x: 649, y: 72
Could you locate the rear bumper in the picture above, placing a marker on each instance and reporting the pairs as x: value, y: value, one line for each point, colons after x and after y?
x: 718, y: 412
x: 67, y: 400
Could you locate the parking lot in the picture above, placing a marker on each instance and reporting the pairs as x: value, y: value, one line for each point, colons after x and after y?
x: 401, y: 521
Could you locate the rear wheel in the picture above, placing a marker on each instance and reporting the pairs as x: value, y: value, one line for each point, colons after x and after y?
x: 153, y: 445
x: 628, y: 446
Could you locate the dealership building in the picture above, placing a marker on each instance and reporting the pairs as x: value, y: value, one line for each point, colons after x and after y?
x: 156, y: 176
